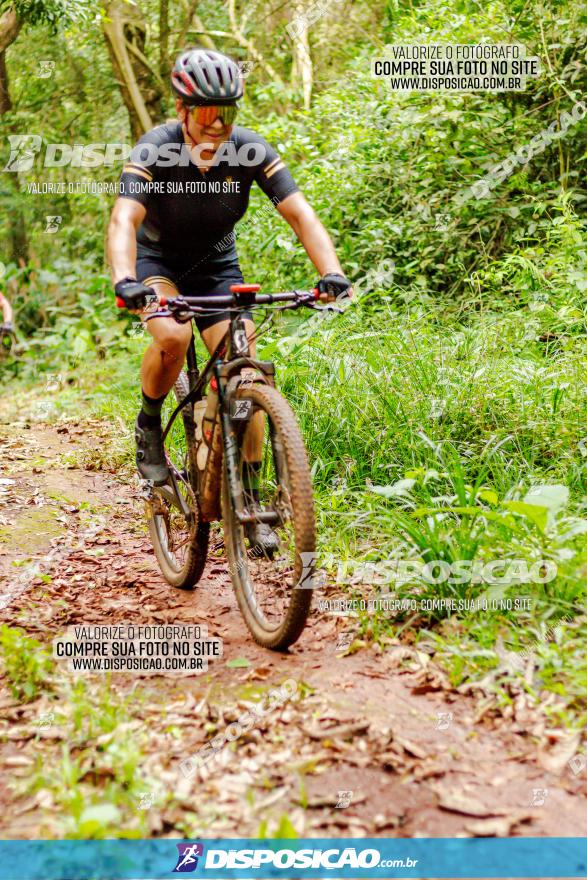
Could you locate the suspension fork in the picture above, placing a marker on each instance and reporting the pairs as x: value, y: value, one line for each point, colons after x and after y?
x: 230, y: 449
x: 239, y: 346
x: 231, y: 462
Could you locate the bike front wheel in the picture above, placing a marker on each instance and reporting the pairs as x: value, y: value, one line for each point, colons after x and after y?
x: 273, y: 588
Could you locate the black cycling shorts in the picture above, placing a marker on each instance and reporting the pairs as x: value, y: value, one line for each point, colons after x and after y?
x: 189, y: 282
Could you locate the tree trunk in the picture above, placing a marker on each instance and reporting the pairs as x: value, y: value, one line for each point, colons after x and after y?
x: 19, y: 246
x: 302, y: 67
x: 9, y: 28
x: 164, y: 39
x: 142, y: 89
x: 5, y: 102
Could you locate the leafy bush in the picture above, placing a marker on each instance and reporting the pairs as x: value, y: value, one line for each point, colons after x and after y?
x: 27, y: 665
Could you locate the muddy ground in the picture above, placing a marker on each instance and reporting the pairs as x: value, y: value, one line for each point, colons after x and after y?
x: 420, y: 757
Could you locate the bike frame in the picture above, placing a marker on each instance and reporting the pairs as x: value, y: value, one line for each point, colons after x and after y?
x: 234, y: 342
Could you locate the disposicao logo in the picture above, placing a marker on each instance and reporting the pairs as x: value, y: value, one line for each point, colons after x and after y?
x: 187, y: 859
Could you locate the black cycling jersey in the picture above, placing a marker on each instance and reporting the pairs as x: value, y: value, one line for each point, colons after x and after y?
x: 191, y: 215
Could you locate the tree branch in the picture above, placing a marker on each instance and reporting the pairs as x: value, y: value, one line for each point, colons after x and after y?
x: 249, y: 46
x: 114, y: 31
x: 138, y: 54
x: 191, y: 15
x: 10, y: 25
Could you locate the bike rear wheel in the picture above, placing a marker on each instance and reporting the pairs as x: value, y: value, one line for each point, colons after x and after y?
x: 273, y: 590
x: 180, y: 541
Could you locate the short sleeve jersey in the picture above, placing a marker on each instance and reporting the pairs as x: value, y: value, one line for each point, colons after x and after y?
x: 191, y: 215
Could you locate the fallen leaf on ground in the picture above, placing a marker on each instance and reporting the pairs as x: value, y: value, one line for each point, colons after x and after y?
x: 411, y: 748
x: 341, y: 731
x: 456, y: 802
x: 501, y: 826
x: 556, y: 759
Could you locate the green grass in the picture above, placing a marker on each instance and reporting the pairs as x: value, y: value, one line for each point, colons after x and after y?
x: 94, y: 776
x: 26, y: 664
x: 433, y: 438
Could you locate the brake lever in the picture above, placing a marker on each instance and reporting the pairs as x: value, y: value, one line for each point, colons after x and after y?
x: 177, y: 308
x: 328, y: 308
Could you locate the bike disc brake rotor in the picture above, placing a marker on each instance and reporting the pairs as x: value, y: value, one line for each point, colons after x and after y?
x: 175, y: 530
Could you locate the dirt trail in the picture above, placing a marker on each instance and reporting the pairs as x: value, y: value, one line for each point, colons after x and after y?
x: 420, y: 758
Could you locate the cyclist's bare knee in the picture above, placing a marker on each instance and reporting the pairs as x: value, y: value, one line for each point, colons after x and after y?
x: 212, y: 335
x: 170, y: 337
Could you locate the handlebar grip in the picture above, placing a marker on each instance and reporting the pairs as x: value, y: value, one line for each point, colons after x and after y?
x: 316, y: 293
x: 120, y: 303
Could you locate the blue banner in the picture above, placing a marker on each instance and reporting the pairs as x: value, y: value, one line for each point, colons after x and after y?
x: 216, y: 859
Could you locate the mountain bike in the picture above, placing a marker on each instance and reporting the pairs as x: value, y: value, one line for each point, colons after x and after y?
x: 206, y: 454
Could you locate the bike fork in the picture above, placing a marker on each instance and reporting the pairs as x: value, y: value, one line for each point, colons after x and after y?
x: 230, y: 451
x: 231, y: 463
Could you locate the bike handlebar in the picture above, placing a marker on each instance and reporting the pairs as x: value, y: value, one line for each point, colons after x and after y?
x: 239, y: 297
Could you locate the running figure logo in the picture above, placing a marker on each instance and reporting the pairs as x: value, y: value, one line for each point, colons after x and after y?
x: 241, y: 409
x: 187, y: 860
x: 23, y: 149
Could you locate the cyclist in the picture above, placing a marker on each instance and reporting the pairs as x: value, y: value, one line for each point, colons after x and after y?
x: 171, y: 231
x: 7, y: 326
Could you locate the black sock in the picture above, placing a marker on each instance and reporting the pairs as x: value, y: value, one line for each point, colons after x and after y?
x: 150, y: 414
